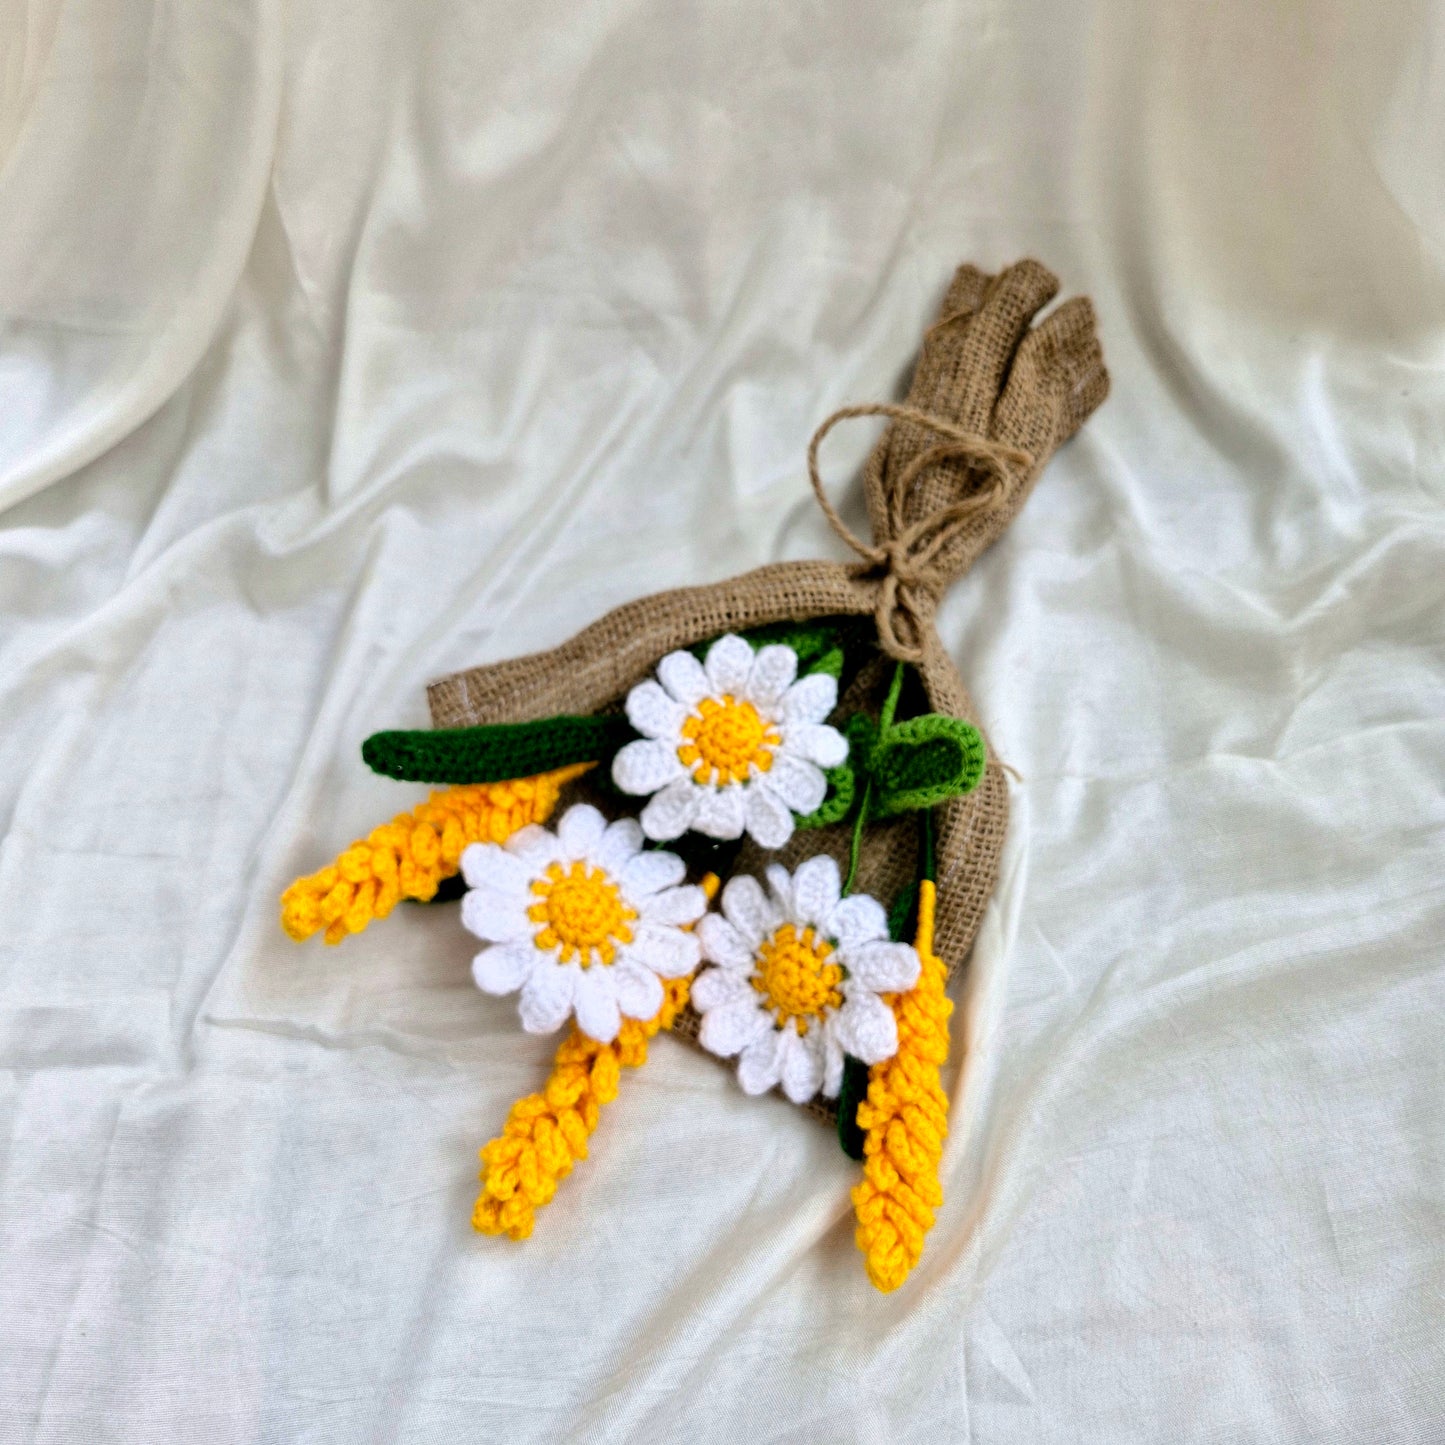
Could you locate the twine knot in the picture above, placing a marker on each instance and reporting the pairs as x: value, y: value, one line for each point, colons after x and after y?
x: 906, y: 560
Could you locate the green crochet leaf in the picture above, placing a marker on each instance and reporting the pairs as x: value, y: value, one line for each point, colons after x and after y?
x: 837, y: 804
x: 496, y: 753
x: 901, y: 914
x: 830, y: 662
x: 923, y: 762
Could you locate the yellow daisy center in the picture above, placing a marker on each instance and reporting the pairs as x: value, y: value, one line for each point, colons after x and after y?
x: 723, y: 737
x: 581, y: 912
x: 795, y: 978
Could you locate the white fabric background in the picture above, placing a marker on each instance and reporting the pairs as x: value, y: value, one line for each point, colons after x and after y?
x: 348, y: 345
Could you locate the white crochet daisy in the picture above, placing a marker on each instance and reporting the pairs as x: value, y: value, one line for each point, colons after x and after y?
x: 730, y: 744
x: 797, y: 978
x: 582, y: 921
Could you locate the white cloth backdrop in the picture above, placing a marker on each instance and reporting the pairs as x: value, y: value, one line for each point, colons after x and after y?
x: 348, y: 343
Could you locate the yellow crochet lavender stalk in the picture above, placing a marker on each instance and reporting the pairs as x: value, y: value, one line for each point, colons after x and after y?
x: 409, y: 857
x: 905, y: 1121
x: 546, y: 1133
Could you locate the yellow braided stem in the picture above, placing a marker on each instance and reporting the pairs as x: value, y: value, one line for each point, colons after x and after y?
x: 409, y: 857
x: 905, y: 1120
x: 546, y: 1133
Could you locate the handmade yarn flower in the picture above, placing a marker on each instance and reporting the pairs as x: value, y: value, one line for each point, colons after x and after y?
x: 797, y: 977
x: 732, y: 744
x: 582, y: 921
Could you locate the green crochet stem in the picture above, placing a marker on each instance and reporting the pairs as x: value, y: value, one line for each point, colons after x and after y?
x: 851, y: 1092
x: 885, y: 722
x: 497, y: 753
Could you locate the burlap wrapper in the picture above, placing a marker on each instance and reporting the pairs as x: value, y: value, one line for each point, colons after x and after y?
x: 984, y: 366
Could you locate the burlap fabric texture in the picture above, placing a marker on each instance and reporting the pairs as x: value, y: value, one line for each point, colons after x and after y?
x: 993, y: 396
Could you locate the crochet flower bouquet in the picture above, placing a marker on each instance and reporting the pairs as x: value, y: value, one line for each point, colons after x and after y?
x: 759, y: 813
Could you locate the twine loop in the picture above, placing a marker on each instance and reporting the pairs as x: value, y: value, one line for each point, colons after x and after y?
x: 911, y: 577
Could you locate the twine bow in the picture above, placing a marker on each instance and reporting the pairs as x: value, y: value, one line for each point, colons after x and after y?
x: 907, y: 557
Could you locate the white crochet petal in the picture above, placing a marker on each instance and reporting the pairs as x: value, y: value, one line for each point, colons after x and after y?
x: 729, y: 661
x: 486, y: 865
x: 816, y: 886
x: 672, y: 905
x: 646, y: 765
x: 496, y: 917
x: 774, y: 669
x: 505, y: 967
x: 798, y: 783
x: 653, y: 712
x: 720, y: 811
x: 682, y: 675
x: 769, y: 819
x: 880, y: 966
x: 731, y: 1027
x: 811, y: 699
x: 722, y: 943
x: 781, y: 883
x: 620, y: 843
x: 547, y: 995
x: 580, y: 830
x: 801, y: 1069
x: 759, y: 1065
x: 858, y: 919
x: 832, y: 1063
x: 817, y: 742
x: 535, y: 845
x: 596, y: 1004
x: 638, y: 989
x: 867, y: 1029
x: 669, y: 814
x: 746, y: 907
x: 666, y: 951
x: 650, y: 872
x: 714, y: 987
